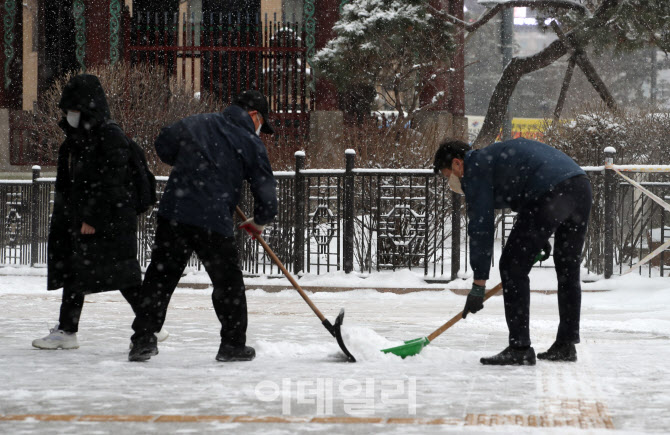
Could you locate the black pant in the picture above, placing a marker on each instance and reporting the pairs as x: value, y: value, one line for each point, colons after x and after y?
x: 564, y: 212
x: 73, y: 303
x: 174, y: 244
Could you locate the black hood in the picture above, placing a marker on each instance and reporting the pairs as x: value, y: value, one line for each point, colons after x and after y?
x: 85, y: 94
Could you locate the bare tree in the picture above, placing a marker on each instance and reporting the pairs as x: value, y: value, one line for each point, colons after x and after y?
x: 570, y: 42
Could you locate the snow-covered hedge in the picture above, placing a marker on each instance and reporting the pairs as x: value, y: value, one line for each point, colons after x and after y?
x: 639, y: 137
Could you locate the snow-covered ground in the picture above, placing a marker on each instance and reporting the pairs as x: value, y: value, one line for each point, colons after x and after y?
x: 621, y: 381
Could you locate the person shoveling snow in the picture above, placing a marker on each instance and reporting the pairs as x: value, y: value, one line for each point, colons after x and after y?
x: 552, y: 196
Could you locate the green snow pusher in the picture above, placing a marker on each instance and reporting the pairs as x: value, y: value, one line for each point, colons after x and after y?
x: 414, y: 347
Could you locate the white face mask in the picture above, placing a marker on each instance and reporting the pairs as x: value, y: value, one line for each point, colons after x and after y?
x: 455, y: 184
x: 258, y: 130
x: 73, y: 118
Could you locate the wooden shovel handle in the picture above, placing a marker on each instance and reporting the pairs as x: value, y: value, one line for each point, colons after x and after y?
x: 279, y: 264
x: 459, y: 316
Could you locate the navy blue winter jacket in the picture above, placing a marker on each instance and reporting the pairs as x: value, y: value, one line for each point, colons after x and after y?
x: 212, y: 154
x: 507, y: 175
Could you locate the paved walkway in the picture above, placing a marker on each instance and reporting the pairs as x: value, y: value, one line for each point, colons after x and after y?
x: 299, y: 384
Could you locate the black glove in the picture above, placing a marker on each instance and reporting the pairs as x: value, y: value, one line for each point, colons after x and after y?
x: 545, y: 253
x: 475, y: 301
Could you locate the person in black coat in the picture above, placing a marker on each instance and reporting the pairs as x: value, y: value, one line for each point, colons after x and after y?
x: 92, y: 243
x: 552, y: 196
x: 211, y: 156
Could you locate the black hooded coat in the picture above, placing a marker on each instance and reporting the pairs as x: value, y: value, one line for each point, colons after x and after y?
x: 92, y: 186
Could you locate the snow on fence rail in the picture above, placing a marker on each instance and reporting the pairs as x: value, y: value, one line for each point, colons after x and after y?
x: 373, y: 219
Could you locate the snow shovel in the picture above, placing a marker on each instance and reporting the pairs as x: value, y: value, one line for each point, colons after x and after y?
x: 336, y: 329
x: 414, y: 347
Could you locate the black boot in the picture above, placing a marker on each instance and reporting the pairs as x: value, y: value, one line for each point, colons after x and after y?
x: 559, y: 352
x: 232, y: 353
x: 512, y: 357
x: 143, y: 348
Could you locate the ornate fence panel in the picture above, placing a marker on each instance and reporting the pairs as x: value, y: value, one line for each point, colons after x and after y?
x: 324, y: 214
x: 43, y: 207
x: 402, y: 219
x: 279, y: 233
x: 15, y: 234
x: 146, y: 229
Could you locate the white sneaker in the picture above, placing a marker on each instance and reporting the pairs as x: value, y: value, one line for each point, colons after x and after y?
x: 57, y: 339
x: 161, y: 335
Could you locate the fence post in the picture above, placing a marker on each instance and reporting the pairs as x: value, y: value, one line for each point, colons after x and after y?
x: 610, y: 198
x: 348, y: 242
x: 455, y: 234
x: 299, y: 224
x: 34, y: 217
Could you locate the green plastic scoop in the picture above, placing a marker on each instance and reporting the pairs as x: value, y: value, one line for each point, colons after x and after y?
x: 410, y: 348
x: 414, y: 347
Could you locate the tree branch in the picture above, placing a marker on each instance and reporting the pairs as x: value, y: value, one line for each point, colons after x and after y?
x: 564, y: 88
x: 489, y: 14
x: 519, y: 67
x: 388, y: 98
x: 587, y: 68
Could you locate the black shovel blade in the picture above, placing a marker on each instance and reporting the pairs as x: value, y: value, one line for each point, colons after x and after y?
x: 336, y: 331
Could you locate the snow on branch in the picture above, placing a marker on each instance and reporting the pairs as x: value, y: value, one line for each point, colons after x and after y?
x: 505, y: 4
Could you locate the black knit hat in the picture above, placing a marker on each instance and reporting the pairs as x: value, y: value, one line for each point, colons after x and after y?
x: 447, y: 152
x: 254, y: 100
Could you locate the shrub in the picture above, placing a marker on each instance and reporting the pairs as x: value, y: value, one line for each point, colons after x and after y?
x: 380, y: 142
x: 142, y: 99
x: 640, y: 137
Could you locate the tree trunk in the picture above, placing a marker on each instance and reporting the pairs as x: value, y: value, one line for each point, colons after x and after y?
x: 519, y: 67
x: 564, y: 88
x: 588, y: 69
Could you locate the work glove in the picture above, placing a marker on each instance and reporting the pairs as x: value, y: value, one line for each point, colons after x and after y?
x: 252, y: 228
x: 545, y: 253
x: 475, y: 300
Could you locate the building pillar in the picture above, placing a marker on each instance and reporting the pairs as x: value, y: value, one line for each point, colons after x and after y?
x: 97, y: 14
x: 30, y: 63
x: 56, y: 43
x: 11, y: 54
x: 11, y: 68
x: 327, y: 12
x: 326, y: 120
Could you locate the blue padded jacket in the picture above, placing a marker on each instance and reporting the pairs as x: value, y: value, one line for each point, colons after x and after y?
x: 211, y: 155
x: 507, y: 175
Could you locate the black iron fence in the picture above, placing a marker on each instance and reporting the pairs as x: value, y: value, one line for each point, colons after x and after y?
x: 376, y: 219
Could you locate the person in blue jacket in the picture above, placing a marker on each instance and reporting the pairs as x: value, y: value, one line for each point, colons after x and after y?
x: 551, y: 195
x: 211, y: 156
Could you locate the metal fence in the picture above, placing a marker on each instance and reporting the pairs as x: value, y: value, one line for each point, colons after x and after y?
x: 369, y: 220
